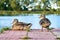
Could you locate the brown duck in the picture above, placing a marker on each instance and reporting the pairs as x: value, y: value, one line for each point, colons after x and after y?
x: 44, y: 22
x: 20, y: 25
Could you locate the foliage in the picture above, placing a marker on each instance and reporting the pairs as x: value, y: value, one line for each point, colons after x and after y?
x: 4, y: 29
x: 26, y: 13
x: 15, y: 8
x: 16, y: 5
x: 1, y: 31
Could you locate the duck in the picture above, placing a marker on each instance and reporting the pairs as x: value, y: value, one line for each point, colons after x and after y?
x: 44, y: 22
x: 20, y: 25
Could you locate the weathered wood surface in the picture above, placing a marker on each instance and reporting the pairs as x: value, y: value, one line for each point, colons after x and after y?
x: 33, y: 34
x: 56, y: 32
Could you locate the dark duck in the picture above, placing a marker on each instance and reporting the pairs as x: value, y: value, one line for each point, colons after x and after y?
x: 44, y: 22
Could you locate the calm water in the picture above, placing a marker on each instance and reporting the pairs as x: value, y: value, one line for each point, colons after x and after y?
x: 6, y: 21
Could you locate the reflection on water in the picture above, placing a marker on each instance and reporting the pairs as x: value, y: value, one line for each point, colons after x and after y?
x: 34, y: 19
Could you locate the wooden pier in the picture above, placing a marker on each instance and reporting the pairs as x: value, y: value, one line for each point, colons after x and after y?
x: 33, y: 35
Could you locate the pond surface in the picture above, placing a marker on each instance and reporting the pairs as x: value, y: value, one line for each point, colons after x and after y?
x: 6, y: 21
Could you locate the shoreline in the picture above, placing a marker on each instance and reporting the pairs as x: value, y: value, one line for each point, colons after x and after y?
x: 14, y: 13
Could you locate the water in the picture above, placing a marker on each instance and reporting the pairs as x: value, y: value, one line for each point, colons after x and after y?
x: 6, y: 21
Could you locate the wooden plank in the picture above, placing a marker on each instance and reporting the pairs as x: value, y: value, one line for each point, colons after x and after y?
x: 34, y: 35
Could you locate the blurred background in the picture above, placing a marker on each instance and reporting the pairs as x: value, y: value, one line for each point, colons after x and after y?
x: 28, y: 5
x: 29, y: 11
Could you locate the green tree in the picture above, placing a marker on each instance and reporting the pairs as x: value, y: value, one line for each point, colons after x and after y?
x: 1, y: 3
x: 6, y: 5
x: 13, y: 4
